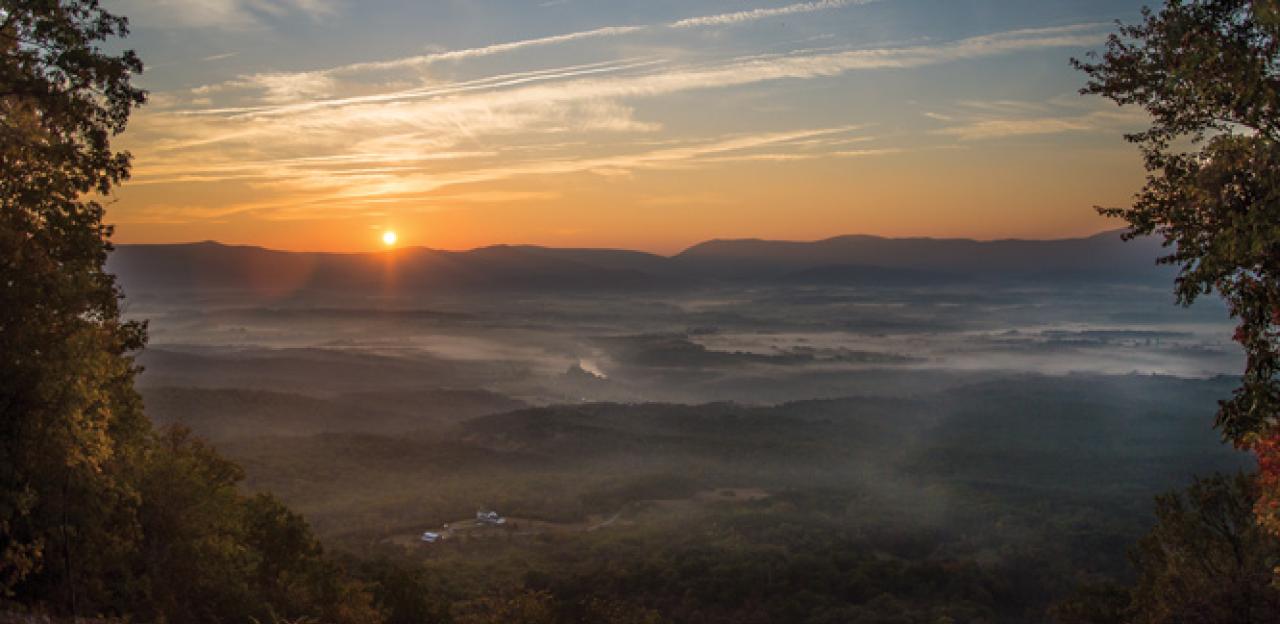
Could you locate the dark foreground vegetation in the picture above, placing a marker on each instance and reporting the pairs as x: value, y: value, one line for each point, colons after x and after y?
x: 99, y: 513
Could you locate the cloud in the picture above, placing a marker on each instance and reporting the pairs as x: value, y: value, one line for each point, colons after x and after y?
x: 266, y: 81
x: 496, y: 197
x: 220, y: 13
x: 998, y: 119
x: 497, y: 48
x: 999, y: 128
x: 420, y: 185
x: 752, y: 15
x: 344, y: 152
x: 304, y: 189
x: 280, y: 88
x: 716, y: 75
x: 802, y: 156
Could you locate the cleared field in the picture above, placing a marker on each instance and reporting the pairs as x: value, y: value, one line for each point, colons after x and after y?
x: 460, y: 532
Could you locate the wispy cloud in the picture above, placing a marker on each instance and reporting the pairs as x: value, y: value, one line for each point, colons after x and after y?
x: 497, y: 197
x: 497, y: 48
x: 716, y: 75
x: 352, y: 189
x: 997, y: 119
x: 220, y: 13
x: 810, y: 155
x: 752, y: 15
x: 280, y: 86
x: 270, y: 84
x: 1000, y: 128
x: 347, y: 152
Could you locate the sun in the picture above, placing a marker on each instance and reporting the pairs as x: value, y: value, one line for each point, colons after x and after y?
x: 388, y: 238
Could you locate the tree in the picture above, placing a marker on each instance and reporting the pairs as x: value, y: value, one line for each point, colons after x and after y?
x: 192, y: 530
x: 1204, y: 561
x: 70, y: 421
x: 520, y: 607
x: 98, y: 512
x: 211, y: 554
x: 1208, y: 73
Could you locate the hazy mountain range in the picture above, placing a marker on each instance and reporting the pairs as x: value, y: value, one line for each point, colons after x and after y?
x: 850, y: 260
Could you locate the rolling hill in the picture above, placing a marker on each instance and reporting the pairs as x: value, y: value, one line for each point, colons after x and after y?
x: 853, y: 260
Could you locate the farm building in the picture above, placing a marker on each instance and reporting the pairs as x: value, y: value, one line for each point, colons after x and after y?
x: 489, y: 517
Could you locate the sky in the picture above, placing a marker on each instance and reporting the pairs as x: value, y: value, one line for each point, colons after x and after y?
x: 640, y: 124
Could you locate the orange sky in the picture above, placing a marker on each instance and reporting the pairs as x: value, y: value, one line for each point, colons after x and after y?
x: 1022, y: 192
x: 654, y: 132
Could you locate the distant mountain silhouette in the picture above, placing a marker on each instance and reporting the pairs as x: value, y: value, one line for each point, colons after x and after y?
x: 852, y: 260
x: 1102, y: 256
x: 213, y: 266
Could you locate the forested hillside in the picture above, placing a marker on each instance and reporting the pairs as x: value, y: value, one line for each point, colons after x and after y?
x: 984, y: 503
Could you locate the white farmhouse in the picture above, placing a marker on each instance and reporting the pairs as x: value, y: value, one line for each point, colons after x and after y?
x: 489, y: 518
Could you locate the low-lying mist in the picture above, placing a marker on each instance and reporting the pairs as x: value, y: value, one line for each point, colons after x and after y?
x: 1006, y: 432
x: 754, y: 345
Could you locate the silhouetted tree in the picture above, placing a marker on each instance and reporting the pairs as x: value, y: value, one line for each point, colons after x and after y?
x: 1208, y: 73
x: 69, y: 418
x: 98, y: 512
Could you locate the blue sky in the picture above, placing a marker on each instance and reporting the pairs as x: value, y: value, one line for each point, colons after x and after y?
x: 314, y: 124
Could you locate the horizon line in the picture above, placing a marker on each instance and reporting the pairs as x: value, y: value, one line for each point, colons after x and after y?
x: 621, y: 249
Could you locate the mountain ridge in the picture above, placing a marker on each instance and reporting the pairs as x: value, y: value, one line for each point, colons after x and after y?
x: 854, y: 259
x: 1105, y: 234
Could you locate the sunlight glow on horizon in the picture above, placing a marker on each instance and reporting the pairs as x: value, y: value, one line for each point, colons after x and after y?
x: 794, y: 121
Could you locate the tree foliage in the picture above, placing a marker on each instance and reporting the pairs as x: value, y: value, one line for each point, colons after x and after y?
x: 99, y: 513
x: 69, y: 418
x: 1208, y: 73
x: 210, y: 553
x: 1204, y: 561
